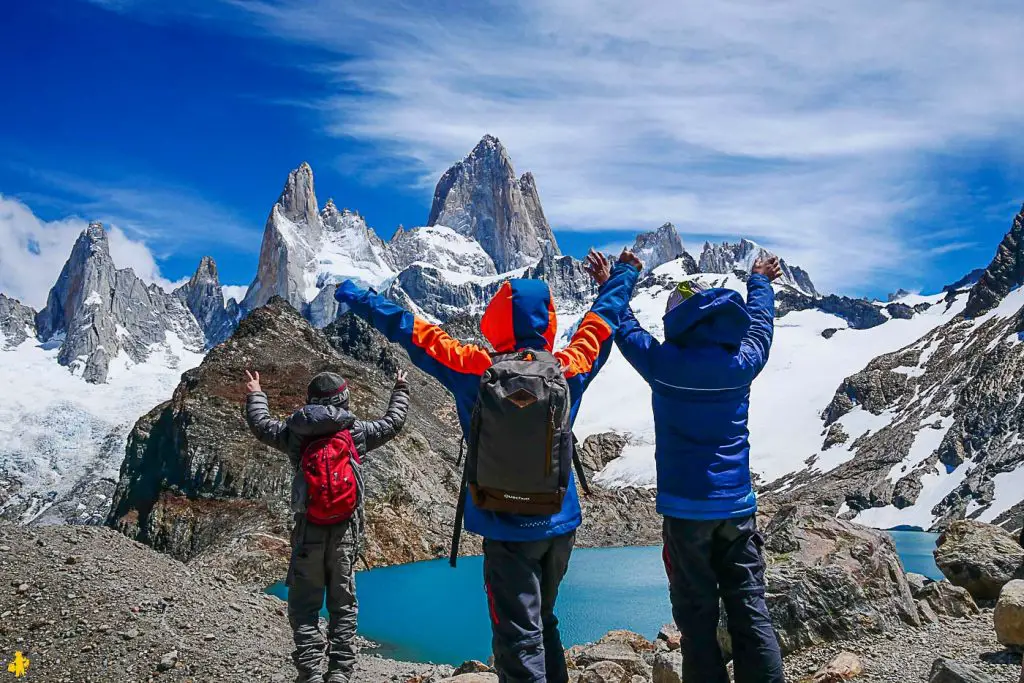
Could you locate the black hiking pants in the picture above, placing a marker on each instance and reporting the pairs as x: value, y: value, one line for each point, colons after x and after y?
x: 712, y: 559
x: 522, y: 581
x: 323, y: 563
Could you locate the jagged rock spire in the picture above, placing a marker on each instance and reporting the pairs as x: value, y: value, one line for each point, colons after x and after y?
x: 102, y: 311
x: 661, y: 246
x: 204, y: 297
x: 728, y: 258
x: 1004, y: 273
x: 481, y: 198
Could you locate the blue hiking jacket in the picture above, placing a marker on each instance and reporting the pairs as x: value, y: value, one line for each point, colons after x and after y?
x: 715, y: 345
x: 520, y: 316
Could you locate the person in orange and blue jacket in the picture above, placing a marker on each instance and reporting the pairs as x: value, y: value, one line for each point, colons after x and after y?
x: 525, y: 557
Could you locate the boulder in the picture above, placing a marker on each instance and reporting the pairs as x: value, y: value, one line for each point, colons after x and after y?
x: 668, y: 667
x: 635, y: 641
x: 618, y: 653
x: 979, y: 557
x: 472, y: 678
x: 831, y: 580
x: 1009, y: 615
x: 927, y: 614
x: 473, y: 666
x: 605, y: 672
x: 597, y: 450
x: 948, y: 600
x: 671, y: 636
x: 949, y: 671
x: 917, y: 582
x: 845, y: 666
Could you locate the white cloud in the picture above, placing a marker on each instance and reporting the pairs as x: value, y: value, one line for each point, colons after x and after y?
x: 33, y: 251
x: 812, y: 128
x: 236, y: 292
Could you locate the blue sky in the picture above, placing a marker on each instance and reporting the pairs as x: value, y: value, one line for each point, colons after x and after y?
x: 878, y: 147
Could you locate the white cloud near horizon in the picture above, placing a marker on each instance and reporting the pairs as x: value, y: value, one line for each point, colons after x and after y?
x: 33, y: 252
x: 810, y: 127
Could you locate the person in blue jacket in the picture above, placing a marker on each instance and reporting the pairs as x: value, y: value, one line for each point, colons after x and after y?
x: 525, y: 557
x: 715, y: 346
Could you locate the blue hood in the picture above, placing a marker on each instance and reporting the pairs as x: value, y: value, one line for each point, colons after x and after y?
x: 715, y: 317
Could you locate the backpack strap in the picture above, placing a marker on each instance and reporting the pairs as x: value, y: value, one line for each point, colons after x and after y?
x: 460, y: 511
x: 578, y: 464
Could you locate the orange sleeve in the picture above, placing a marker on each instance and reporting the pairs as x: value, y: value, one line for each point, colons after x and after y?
x: 579, y: 356
x: 449, y: 352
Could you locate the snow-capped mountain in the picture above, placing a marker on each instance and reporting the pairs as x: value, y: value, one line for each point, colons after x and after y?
x: 131, y: 341
x: 481, y: 198
x: 661, y: 246
x: 97, y: 313
x: 728, y: 258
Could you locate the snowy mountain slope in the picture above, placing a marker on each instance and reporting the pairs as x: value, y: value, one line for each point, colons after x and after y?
x: 441, y: 247
x: 62, y: 439
x: 787, y: 399
x: 349, y: 249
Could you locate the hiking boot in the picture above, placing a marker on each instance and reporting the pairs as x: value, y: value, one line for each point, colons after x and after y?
x: 335, y: 677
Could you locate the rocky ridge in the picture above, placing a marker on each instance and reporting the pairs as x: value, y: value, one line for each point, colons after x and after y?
x: 17, y: 322
x: 661, y: 246
x: 1003, y: 274
x: 204, y: 297
x: 949, y: 419
x: 96, y: 311
x: 727, y: 258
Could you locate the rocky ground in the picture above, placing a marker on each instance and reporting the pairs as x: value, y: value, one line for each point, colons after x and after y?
x: 86, y: 604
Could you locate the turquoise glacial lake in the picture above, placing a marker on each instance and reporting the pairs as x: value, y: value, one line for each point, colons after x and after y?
x: 429, y: 612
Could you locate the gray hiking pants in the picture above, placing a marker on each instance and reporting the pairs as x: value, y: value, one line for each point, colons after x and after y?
x: 522, y: 581
x: 323, y: 560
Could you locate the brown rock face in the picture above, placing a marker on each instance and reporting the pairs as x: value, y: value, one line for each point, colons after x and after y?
x: 196, y: 484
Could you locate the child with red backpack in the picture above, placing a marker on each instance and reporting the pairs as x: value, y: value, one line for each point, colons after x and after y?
x: 326, y: 445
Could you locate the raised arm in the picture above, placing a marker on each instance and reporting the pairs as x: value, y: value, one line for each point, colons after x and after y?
x: 636, y: 344
x: 267, y: 430
x: 379, y: 432
x: 600, y: 322
x: 757, y: 342
x: 430, y: 348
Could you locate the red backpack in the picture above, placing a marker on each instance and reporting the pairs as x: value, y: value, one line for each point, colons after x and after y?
x: 332, y: 488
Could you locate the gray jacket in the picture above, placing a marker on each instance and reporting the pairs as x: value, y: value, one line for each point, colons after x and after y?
x: 314, y: 421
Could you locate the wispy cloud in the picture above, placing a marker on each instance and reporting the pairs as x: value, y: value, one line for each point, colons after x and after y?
x: 807, y: 126
x: 167, y: 218
x: 33, y: 251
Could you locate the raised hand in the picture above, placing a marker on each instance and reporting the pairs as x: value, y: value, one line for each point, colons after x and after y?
x: 252, y: 382
x: 629, y: 257
x: 769, y: 267
x: 598, y: 267
x: 401, y: 377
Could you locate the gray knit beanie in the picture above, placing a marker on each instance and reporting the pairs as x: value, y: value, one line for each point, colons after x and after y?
x: 328, y: 389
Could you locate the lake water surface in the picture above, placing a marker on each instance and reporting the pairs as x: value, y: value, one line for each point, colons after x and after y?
x: 427, y: 611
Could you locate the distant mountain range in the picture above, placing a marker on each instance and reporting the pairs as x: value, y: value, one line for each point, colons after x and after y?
x: 486, y: 224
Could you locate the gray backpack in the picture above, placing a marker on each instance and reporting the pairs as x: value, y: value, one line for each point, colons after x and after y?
x: 520, y: 440
x: 520, y: 445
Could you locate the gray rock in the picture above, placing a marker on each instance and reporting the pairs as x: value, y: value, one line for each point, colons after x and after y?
x: 442, y: 247
x: 662, y: 246
x: 597, y: 450
x: 481, y: 198
x: 168, y: 661
x: 668, y: 667
x: 979, y: 557
x: 96, y: 312
x: 571, y: 286
x: 204, y: 297
x: 618, y: 653
x: 606, y: 672
x: 1003, y: 274
x: 949, y: 671
x: 830, y: 580
x: 729, y: 258
x: 836, y: 436
x: 17, y: 322
x: 948, y: 600
x: 917, y: 582
x: 471, y: 678
x: 900, y: 311
x: 927, y: 614
x: 1009, y: 615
